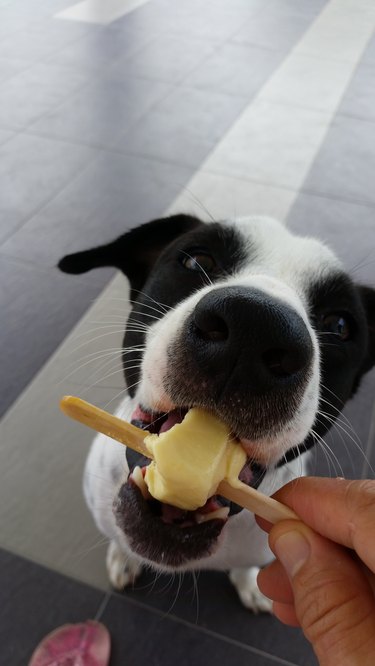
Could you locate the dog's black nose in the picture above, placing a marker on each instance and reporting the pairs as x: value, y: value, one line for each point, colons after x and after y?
x: 245, y: 334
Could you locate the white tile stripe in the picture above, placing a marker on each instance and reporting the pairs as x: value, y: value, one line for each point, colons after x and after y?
x: 33, y: 434
x: 102, y: 12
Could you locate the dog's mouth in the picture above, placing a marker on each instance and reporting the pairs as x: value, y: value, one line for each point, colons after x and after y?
x: 163, y: 533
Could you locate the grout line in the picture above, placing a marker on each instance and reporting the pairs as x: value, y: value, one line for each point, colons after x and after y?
x: 77, y: 174
x: 102, y: 606
x: 353, y: 116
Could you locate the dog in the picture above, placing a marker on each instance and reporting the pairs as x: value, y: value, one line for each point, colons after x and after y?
x: 248, y: 321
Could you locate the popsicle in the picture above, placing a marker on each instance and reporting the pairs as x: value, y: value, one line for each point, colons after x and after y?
x: 192, y: 461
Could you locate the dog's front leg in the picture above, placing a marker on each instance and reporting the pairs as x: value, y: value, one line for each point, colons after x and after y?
x: 123, y: 568
x: 245, y: 582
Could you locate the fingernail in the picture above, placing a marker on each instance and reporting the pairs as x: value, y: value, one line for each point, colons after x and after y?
x: 293, y: 550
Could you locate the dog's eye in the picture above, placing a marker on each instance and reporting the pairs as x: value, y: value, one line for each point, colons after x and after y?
x: 336, y: 324
x: 199, y: 261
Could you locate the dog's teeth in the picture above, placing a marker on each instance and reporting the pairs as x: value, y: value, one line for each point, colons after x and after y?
x: 219, y: 513
x: 139, y: 481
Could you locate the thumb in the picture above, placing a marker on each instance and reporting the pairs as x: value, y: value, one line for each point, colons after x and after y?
x: 333, y: 600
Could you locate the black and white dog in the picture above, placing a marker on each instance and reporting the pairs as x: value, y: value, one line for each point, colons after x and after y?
x: 242, y: 318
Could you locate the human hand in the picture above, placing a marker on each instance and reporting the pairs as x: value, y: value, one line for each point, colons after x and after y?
x: 324, y: 576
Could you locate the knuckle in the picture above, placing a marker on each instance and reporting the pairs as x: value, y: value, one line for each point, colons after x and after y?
x: 360, y: 494
x: 360, y: 502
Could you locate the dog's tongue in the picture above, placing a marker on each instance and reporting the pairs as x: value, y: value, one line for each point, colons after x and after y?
x: 176, y: 416
x: 139, y: 414
x: 151, y: 420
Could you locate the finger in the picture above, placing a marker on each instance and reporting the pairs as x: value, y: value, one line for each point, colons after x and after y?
x: 274, y: 583
x: 285, y: 613
x: 332, y: 598
x: 263, y: 524
x: 343, y: 511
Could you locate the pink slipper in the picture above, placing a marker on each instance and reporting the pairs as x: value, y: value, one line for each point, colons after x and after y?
x: 86, y: 644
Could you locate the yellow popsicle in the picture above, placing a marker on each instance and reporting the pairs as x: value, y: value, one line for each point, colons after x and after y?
x: 191, y: 459
x: 229, y: 486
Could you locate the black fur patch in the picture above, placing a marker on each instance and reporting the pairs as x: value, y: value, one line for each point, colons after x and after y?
x: 170, y: 282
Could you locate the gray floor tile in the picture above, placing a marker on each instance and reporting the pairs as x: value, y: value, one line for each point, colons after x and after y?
x: 32, y: 171
x: 29, y: 95
x: 39, y: 308
x: 309, y: 8
x: 235, y: 69
x: 184, y: 127
x: 167, y: 58
x: 348, y: 228
x: 369, y: 54
x: 5, y: 135
x: 244, y: 7
x: 102, y: 112
x: 274, y: 29
x: 9, y: 68
x: 211, y: 603
x: 359, y: 98
x: 35, y: 601
x: 41, y: 37
x: 96, y: 51
x: 345, y: 164
x: 115, y: 193
x: 170, y: 641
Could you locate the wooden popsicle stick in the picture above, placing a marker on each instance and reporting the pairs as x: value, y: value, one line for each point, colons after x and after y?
x: 124, y: 432
x: 106, y: 423
x: 251, y: 499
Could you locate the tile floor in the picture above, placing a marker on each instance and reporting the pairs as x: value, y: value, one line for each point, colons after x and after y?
x: 109, y: 116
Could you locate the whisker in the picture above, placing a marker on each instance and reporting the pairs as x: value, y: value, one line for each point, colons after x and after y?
x: 124, y: 390
x: 159, y: 303
x: 80, y: 555
x: 319, y: 446
x: 196, y: 594
x: 325, y: 446
x: 338, y: 410
x: 369, y: 446
x: 117, y: 352
x: 144, y: 314
x: 200, y: 203
x: 181, y: 575
x: 330, y: 433
x: 150, y: 307
x: 357, y: 444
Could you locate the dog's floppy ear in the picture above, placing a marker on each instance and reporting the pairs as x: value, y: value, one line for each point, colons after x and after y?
x: 368, y: 300
x: 135, y: 252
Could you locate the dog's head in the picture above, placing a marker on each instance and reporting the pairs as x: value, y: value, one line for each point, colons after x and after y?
x: 246, y: 320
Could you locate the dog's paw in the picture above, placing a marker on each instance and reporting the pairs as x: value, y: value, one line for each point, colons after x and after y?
x: 245, y: 582
x: 122, y: 568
